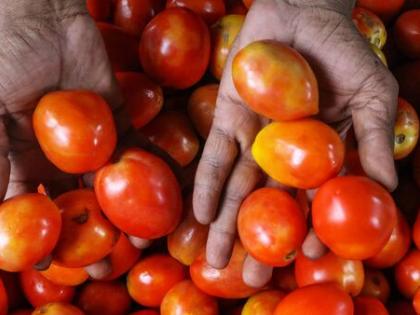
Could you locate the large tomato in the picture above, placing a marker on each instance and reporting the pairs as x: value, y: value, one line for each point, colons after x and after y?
x: 57, y: 309
x: 407, y: 33
x: 140, y: 194
x: 100, y: 10
x: 353, y: 228
x: 210, y: 10
x: 368, y: 306
x: 370, y: 26
x: 384, y: 9
x: 75, y: 129
x: 263, y: 303
x: 407, y: 274
x: 65, y: 276
x: 376, y: 285
x: 175, y: 48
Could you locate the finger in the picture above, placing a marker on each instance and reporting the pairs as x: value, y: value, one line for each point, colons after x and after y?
x: 312, y: 247
x: 4, y: 160
x: 139, y: 243
x: 99, y: 270
x: 256, y: 274
x: 44, y: 264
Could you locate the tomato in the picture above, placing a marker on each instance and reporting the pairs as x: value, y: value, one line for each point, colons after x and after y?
x: 376, y: 285
x: 370, y: 26
x: 263, y: 303
x: 152, y: 277
x: 406, y: 130
x: 201, y: 107
x: 275, y: 81
x: 407, y: 33
x: 317, y: 299
x: 65, y: 276
x: 186, y: 298
x: 104, y: 298
x: 145, y: 312
x: 140, y: 194
x: 407, y: 274
x: 14, y: 294
x: 369, y: 306
x: 307, y: 152
x: 352, y: 163
x: 224, y: 283
x: 173, y: 133
x: 248, y: 3
x: 210, y: 10
x: 82, y: 216
x: 175, y: 40
x: 100, y: 10
x: 3, y: 299
x: 143, y: 97
x: 75, y: 129
x: 396, y: 247
x: 353, y: 228
x: 401, y: 307
x: 30, y: 225
x: 416, y: 170
x: 40, y: 291
x: 236, y: 7
x: 284, y: 278
x: 416, y: 231
x: 58, y: 309
x: 384, y: 9
x: 22, y: 312
x: 408, y: 75
x: 416, y: 302
x: 271, y: 226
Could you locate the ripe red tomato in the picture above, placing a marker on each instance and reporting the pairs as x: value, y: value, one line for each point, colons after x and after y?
x: 100, y: 10
x: 15, y: 297
x: 30, y: 225
x: 140, y: 195
x: 384, y: 9
x: 406, y: 129
x: 210, y: 10
x: 370, y: 26
x: 3, y: 299
x: 284, y: 278
x: 22, y: 312
x: 186, y: 298
x: 307, y: 152
x: 75, y: 129
x: 145, y: 312
x: 368, y: 306
x: 407, y: 33
x: 317, y: 299
x: 236, y: 7
x: 152, y: 277
x: 408, y: 75
x: 104, y: 298
x: 416, y: 231
x: 376, y: 285
x: 58, y: 309
x: 175, y: 40
x: 271, y: 226
x: 65, y: 276
x: 248, y: 3
x: 82, y: 216
x: 40, y: 291
x: 263, y: 303
x: 407, y: 274
x: 416, y: 302
x: 353, y: 228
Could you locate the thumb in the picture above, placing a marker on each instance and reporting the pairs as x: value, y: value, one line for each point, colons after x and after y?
x: 4, y: 160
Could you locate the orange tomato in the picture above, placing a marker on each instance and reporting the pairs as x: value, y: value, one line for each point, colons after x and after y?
x: 263, y: 303
x: 65, y: 276
x: 210, y: 10
x: 57, y: 309
x: 369, y: 306
x: 407, y: 274
x: 406, y: 129
x: 376, y: 285
x: 370, y: 26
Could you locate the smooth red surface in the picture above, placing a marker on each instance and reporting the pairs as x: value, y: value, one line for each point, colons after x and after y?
x: 376, y: 285
x: 145, y: 312
x: 406, y: 129
x: 407, y: 274
x: 58, y: 309
x: 407, y: 33
x: 386, y: 10
x: 3, y: 299
x: 65, y: 276
x: 210, y: 10
x: 369, y: 306
x: 100, y: 10
x: 263, y: 303
x: 416, y: 302
x: 416, y: 231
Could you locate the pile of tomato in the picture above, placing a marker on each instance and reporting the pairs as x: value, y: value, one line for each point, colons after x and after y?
x: 130, y: 223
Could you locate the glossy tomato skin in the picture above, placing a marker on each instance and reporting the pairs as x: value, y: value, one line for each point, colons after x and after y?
x: 376, y: 285
x: 223, y: 283
x: 407, y: 33
x: 57, y: 309
x: 75, y: 129
x: 210, y: 10
x: 175, y: 40
x: 65, y: 276
x: 407, y: 274
x: 271, y: 214
x: 82, y: 216
x: 317, y: 299
x: 406, y: 129
x: 368, y: 306
x: 263, y: 303
x: 186, y: 298
x: 40, y: 291
x: 353, y: 228
x: 274, y: 80
x: 416, y: 302
x: 30, y: 226
x: 152, y: 277
x: 140, y: 195
x: 319, y: 146
x: 143, y: 97
x: 386, y: 10
x: 370, y: 26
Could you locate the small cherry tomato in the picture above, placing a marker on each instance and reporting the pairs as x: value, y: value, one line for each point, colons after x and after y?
x: 210, y: 10
x: 406, y: 130
x: 100, y: 10
x: 58, y: 309
x: 386, y: 10
x: 407, y: 274
x: 407, y: 33
x: 376, y: 285
x: 370, y: 26
x: 30, y: 226
x: 369, y: 306
x: 284, y: 278
x: 263, y: 303
x: 65, y: 276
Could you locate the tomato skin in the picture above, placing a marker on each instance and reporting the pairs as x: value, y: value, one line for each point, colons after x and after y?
x: 370, y: 26
x: 65, y: 276
x: 40, y: 291
x: 210, y: 10
x: 284, y: 278
x: 14, y: 294
x: 369, y: 306
x: 248, y: 3
x: 30, y: 225
x: 353, y: 228
x: 186, y: 298
x: 100, y: 10
x: 386, y: 10
x: 75, y: 129
x: 406, y: 129
x: 57, y: 309
x: 407, y: 33
x: 3, y: 299
x: 271, y: 214
x: 22, y: 312
x: 319, y: 147
x: 263, y: 303
x: 416, y: 231
x: 416, y: 302
x: 141, y: 179
x: 174, y: 40
x: 143, y: 97
x: 236, y: 7
x: 317, y: 299
x: 407, y: 274
x: 376, y: 285
x: 145, y: 312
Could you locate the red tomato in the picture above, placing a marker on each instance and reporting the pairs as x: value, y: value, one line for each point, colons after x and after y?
x: 307, y: 152
x: 3, y: 299
x: 406, y: 129
x: 145, y: 312
x: 22, y: 312
x: 58, y: 309
x: 401, y: 307
x: 40, y: 291
x: 65, y: 276
x: 224, y: 283
x: 75, y: 129
x: 271, y: 226
x: 317, y: 299
x: 263, y: 303
x: 384, y: 9
x: 175, y: 48
x: 186, y: 298
x: 82, y: 216
x: 368, y: 306
x: 353, y: 228
x: 210, y: 10
x: 30, y: 225
x: 140, y: 194
x: 236, y: 7
x: 14, y: 294
x: 416, y: 231
x: 248, y: 3
x: 104, y: 298
x: 407, y: 274
x: 152, y: 277
x: 416, y: 302
x: 284, y: 278
x: 376, y: 285
x: 370, y: 26
x: 408, y: 75
x: 407, y: 33
x: 143, y: 97
x: 100, y: 10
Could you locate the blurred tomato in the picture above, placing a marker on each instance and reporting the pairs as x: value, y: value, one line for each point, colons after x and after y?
x: 175, y: 48
x: 15, y: 296
x: 376, y: 285
x: 407, y: 33
x: 386, y: 10
x: 408, y: 75
x: 58, y: 309
x: 100, y: 10
x: 236, y: 7
x: 263, y: 303
x: 416, y: 170
x: 368, y: 306
x: 140, y: 194
x: 401, y: 307
x: 416, y: 231
x: 406, y: 130
x: 30, y: 225
x: 22, y: 312
x: 284, y: 278
x: 75, y: 129
x: 143, y: 97
x: 407, y: 274
x: 3, y: 299
x: 416, y: 302
x: 145, y: 312
x: 307, y: 152
x: 210, y: 10
x: 370, y: 26
x: 65, y: 276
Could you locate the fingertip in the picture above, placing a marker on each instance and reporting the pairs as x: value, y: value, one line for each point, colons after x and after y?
x: 312, y: 247
x: 218, y: 250
x: 256, y: 274
x: 99, y: 270
x: 202, y: 212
